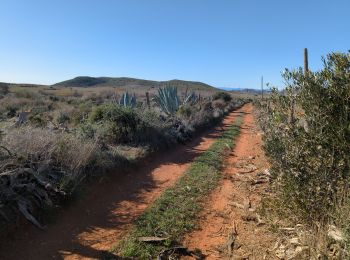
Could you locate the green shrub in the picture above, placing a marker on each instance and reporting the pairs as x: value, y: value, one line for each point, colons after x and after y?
x: 39, y: 109
x: 307, y: 137
x: 54, y: 98
x: 11, y: 111
x: 4, y: 89
x: 63, y: 118
x: 185, y: 111
x: 223, y: 96
x: 37, y: 120
x: 118, y: 124
x: 114, y: 124
x: 86, y: 130
x: 80, y: 113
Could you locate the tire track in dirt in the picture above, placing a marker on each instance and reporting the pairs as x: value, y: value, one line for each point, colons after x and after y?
x: 230, y: 228
x: 91, y: 225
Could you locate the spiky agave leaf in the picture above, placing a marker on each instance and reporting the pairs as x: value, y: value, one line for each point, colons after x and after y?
x: 167, y: 99
x: 127, y: 100
x: 190, y: 98
x: 133, y: 101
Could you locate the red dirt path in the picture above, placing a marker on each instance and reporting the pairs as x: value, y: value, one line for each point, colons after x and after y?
x: 92, y: 224
x: 229, y: 226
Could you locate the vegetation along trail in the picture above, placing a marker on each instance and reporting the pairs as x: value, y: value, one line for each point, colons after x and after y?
x: 91, y: 225
x: 230, y: 227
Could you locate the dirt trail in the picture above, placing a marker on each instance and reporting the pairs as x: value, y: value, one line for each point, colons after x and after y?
x: 230, y: 228
x: 91, y: 225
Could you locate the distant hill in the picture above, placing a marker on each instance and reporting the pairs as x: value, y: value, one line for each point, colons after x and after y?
x: 248, y: 90
x: 3, y: 84
x: 87, y: 82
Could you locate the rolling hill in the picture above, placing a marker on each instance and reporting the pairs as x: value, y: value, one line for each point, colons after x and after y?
x: 130, y: 82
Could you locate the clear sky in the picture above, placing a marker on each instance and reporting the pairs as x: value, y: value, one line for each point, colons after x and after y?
x: 225, y: 43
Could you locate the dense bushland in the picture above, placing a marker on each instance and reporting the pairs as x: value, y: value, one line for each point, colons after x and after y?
x: 307, y: 138
x: 62, y: 140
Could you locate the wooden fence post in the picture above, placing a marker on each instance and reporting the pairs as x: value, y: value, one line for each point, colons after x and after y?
x: 148, y: 102
x: 306, y: 61
x: 262, y: 88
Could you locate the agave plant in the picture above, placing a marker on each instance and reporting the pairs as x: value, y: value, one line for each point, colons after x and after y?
x: 191, y: 98
x: 127, y: 100
x: 168, y: 100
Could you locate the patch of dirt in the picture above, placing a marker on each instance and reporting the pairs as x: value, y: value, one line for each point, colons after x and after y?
x: 230, y: 227
x: 89, y: 227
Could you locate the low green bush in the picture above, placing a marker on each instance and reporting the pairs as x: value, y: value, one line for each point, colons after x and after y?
x: 54, y: 98
x: 63, y: 118
x: 308, y: 137
x: 37, y: 120
x: 4, y: 89
x: 185, y: 111
x: 223, y: 96
x: 117, y: 124
x: 11, y: 111
x: 114, y: 124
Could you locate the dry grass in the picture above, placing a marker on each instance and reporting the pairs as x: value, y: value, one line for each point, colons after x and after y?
x: 36, y: 142
x: 46, y: 147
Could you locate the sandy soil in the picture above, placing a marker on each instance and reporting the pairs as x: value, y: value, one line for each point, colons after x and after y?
x: 230, y: 227
x: 89, y: 227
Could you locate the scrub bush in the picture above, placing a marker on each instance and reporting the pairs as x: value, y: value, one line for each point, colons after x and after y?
x: 308, y: 137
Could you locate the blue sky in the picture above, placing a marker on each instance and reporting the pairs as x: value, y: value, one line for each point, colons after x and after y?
x: 225, y: 43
